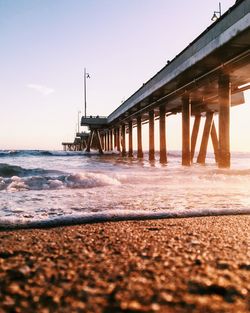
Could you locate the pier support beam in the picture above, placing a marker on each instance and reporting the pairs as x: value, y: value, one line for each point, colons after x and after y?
x: 151, y: 119
x: 90, y: 139
x: 108, y: 141
x: 130, y: 138
x: 215, y: 142
x: 194, y: 136
x: 139, y: 138
x: 204, y: 142
x: 115, y: 140
x: 186, y: 113
x: 118, y: 139
x: 111, y: 139
x: 162, y: 124
x: 123, y: 140
x: 99, y: 142
x: 224, y: 93
x: 102, y: 141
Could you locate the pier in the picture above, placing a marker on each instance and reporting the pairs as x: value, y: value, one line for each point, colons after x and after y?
x: 206, y: 79
x: 79, y: 143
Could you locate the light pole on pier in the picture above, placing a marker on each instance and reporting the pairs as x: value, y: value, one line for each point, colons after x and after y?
x: 215, y: 17
x: 86, y: 75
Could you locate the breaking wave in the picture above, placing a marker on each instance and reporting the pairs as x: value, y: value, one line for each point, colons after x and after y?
x: 20, y: 183
x: 7, y: 170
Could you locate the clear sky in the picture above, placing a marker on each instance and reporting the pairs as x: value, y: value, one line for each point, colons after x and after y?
x: 46, y: 44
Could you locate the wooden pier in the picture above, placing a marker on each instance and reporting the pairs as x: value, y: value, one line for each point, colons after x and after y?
x: 205, y: 79
x: 79, y: 143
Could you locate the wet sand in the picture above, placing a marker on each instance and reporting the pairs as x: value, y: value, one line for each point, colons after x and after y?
x: 171, y: 265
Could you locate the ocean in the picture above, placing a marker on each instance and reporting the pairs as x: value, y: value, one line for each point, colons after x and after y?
x: 50, y: 188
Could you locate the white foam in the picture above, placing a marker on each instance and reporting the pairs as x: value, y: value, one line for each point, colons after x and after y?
x: 17, y: 184
x: 115, y: 215
x: 81, y: 180
x: 55, y: 184
x: 89, y: 180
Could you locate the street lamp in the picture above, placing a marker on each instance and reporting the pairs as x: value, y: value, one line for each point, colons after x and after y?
x: 215, y: 17
x: 86, y: 75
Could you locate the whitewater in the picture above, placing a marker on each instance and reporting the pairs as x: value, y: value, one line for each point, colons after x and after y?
x: 52, y: 188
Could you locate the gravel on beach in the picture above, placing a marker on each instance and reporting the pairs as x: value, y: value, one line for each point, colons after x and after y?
x: 170, y: 265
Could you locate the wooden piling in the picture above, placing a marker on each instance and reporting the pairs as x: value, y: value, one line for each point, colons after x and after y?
x: 130, y: 138
x: 162, y: 127
x: 186, y: 113
x: 99, y: 143
x: 115, y: 140
x: 105, y: 141
x: 195, y: 133
x: 118, y: 138
x: 139, y: 138
x: 151, y: 135
x: 204, y: 142
x: 224, y: 93
x: 108, y: 141
x: 111, y: 139
x: 90, y: 139
x: 215, y: 142
x: 123, y: 140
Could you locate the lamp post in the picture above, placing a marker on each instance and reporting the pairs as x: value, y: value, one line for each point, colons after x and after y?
x: 215, y: 17
x: 86, y: 75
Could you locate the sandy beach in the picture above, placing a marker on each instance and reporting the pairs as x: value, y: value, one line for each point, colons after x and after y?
x: 171, y: 265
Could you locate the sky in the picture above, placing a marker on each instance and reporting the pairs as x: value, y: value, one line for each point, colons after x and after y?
x: 46, y: 44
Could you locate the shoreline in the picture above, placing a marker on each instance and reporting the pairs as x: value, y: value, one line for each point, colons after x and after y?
x: 123, y: 216
x: 197, y: 264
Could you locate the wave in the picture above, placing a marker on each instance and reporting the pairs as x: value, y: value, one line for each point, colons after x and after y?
x: 7, y: 170
x: 115, y: 216
x: 44, y: 153
x: 82, y: 180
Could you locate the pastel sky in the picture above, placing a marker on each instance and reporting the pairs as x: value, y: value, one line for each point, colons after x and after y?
x: 46, y: 44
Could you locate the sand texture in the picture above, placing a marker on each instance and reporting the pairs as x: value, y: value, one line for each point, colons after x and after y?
x: 171, y: 265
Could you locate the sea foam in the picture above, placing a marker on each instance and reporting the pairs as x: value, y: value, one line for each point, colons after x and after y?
x: 115, y: 216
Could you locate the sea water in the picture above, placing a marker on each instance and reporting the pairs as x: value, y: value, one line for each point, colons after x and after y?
x: 44, y: 188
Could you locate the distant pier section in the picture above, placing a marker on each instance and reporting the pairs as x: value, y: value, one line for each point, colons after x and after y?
x: 79, y: 143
